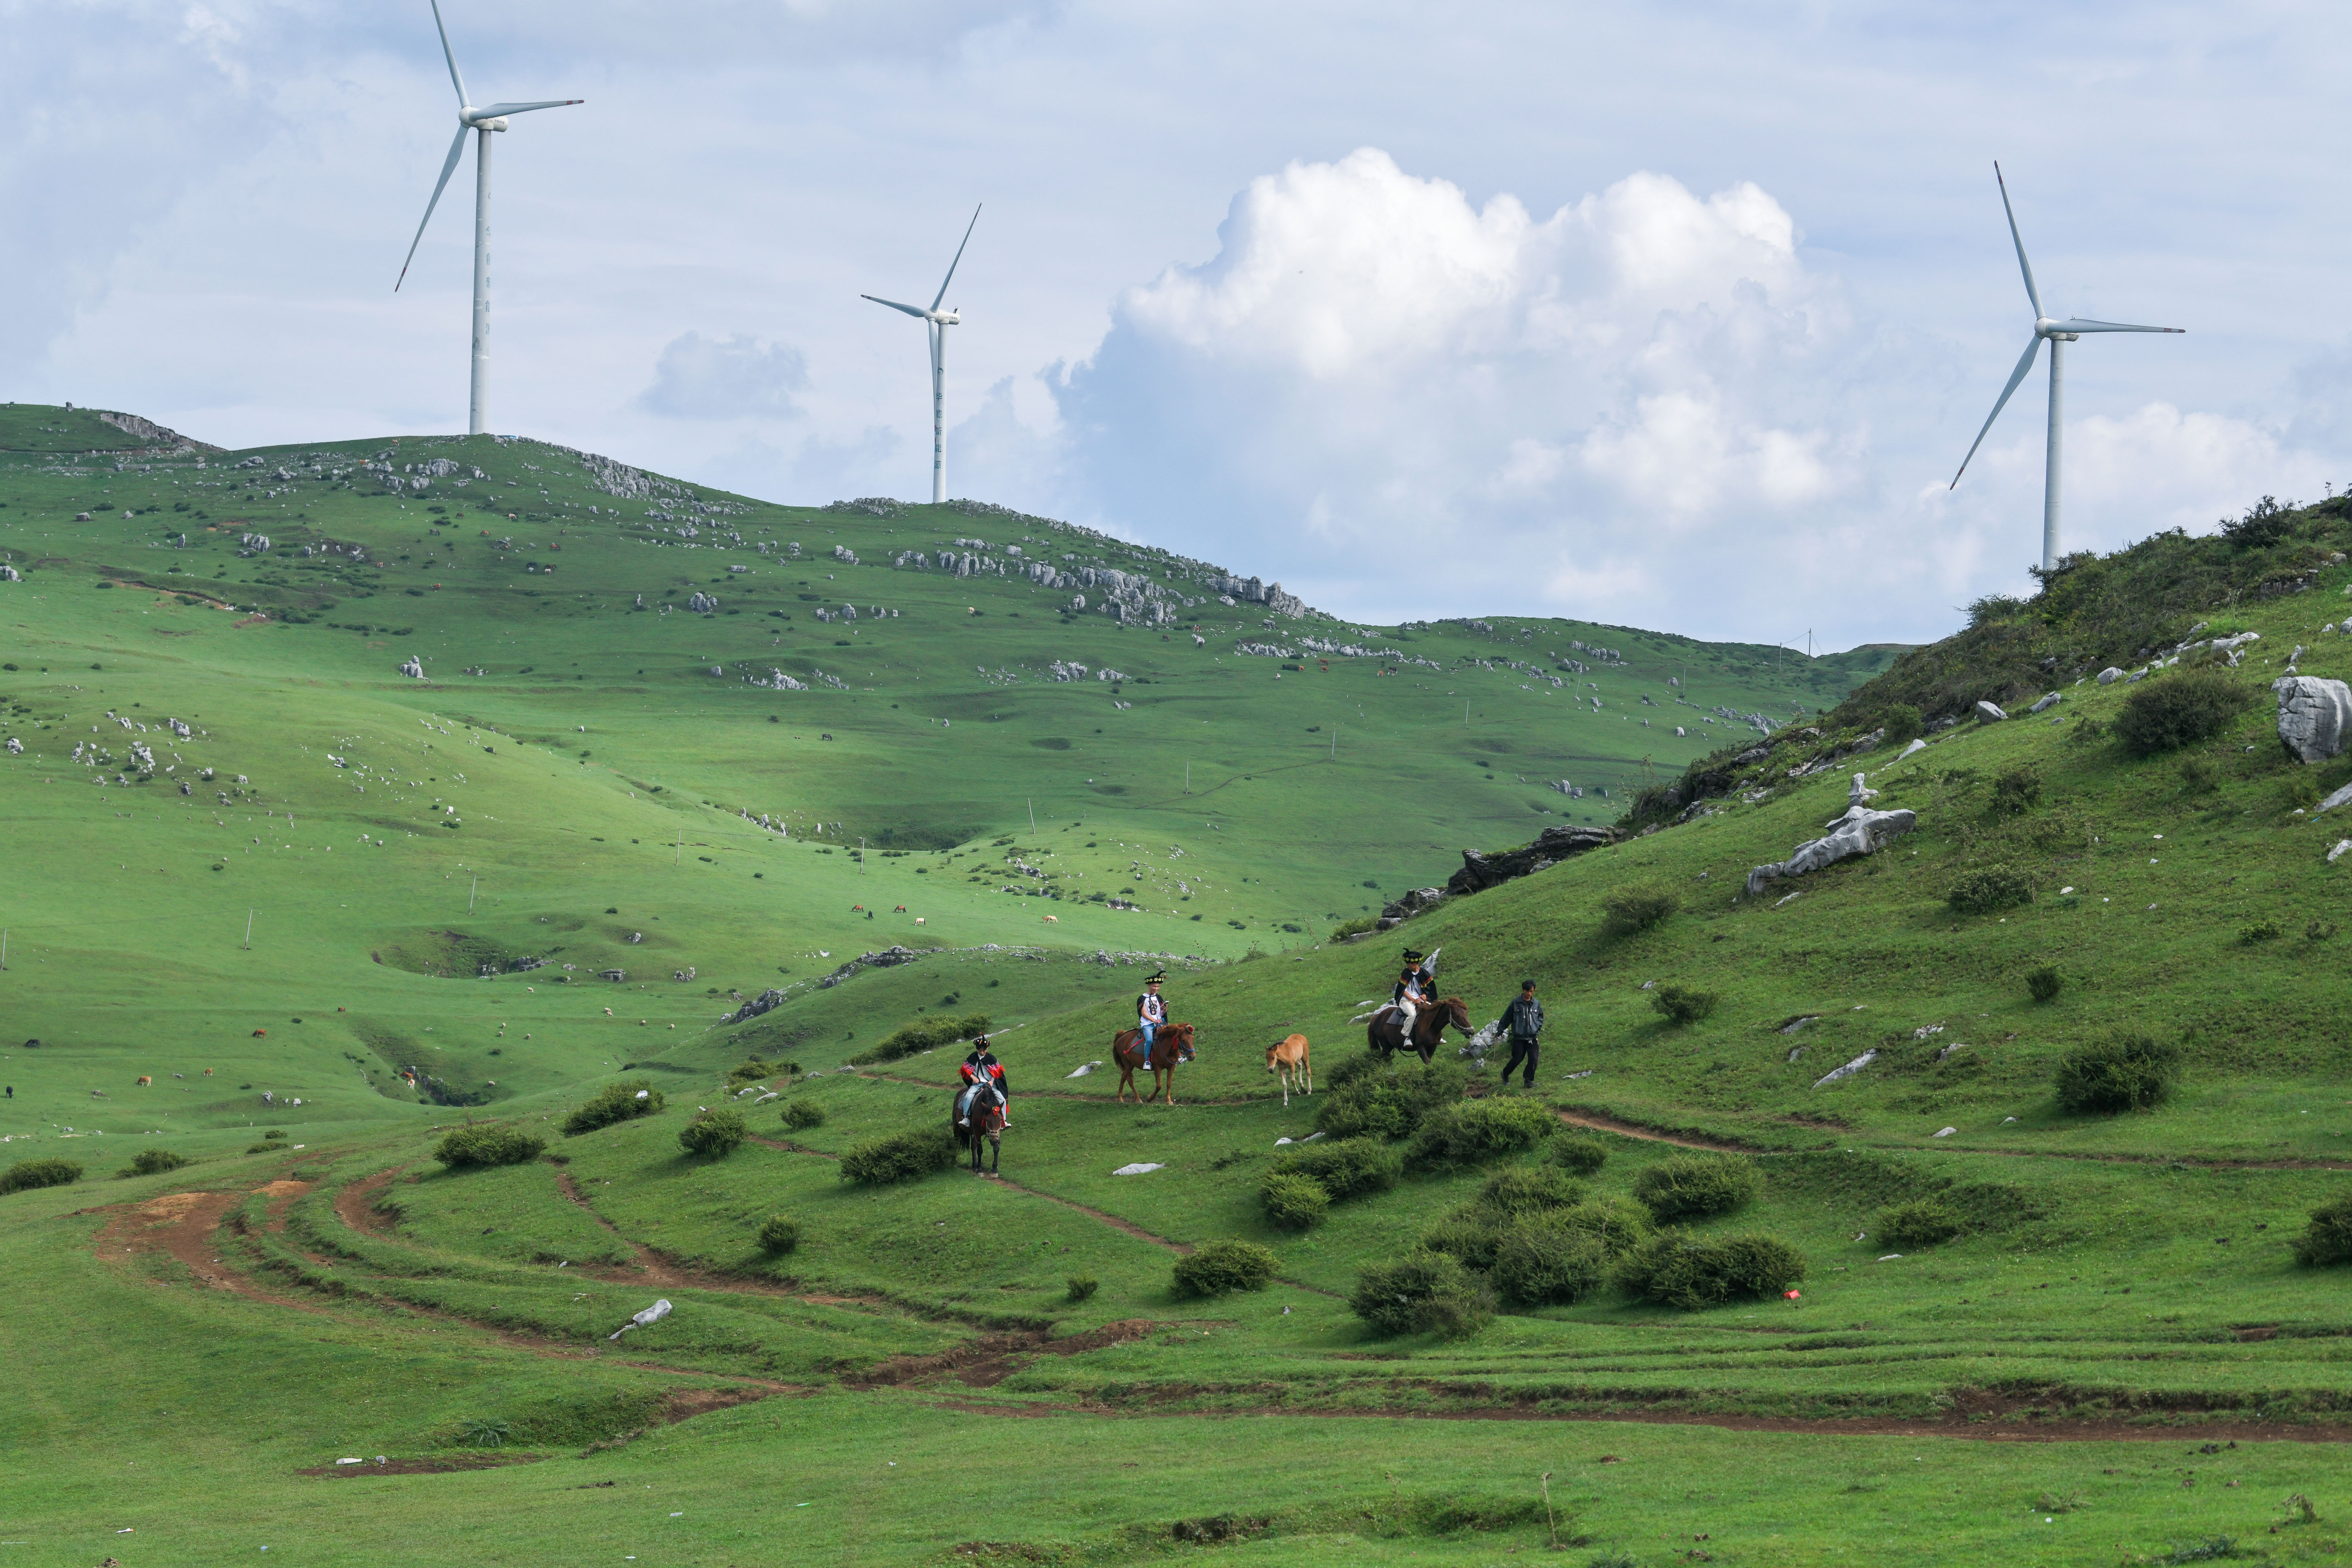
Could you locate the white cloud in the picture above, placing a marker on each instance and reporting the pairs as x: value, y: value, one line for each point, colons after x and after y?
x: 737, y: 377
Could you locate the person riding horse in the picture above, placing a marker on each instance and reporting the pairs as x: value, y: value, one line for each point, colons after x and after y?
x: 1151, y: 1011
x: 980, y: 1066
x: 1413, y: 989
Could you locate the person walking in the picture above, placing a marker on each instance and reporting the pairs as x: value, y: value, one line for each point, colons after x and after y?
x: 1523, y: 1019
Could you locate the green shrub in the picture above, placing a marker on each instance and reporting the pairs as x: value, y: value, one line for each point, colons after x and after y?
x: 713, y: 1134
x: 1293, y: 1202
x: 899, y: 1157
x: 1580, y: 1154
x: 489, y: 1143
x: 1470, y: 1234
x: 1530, y: 1189
x: 923, y: 1034
x: 274, y: 1134
x: 1694, y: 1186
x: 1544, y: 1262
x: 613, y: 1102
x: 1221, y: 1266
x: 1478, y: 1131
x: 800, y: 1115
x: 2016, y: 789
x: 1422, y: 1292
x: 1356, y: 926
x: 1985, y: 890
x: 1081, y: 1286
x: 1639, y: 906
x: 1387, y: 1099
x: 1618, y: 1224
x: 779, y: 1234
x: 1679, y: 1004
x: 50, y: 1172
x: 2120, y: 1072
x: 2261, y: 931
x: 2180, y: 709
x: 1922, y: 1222
x: 2328, y: 1239
x: 1690, y: 1273
x: 155, y: 1161
x: 1347, y: 1169
x: 2044, y: 983
x: 1903, y: 723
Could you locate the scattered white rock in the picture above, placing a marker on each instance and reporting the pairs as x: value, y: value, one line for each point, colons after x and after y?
x: 1848, y: 1070
x: 1890, y: 1257
x: 2333, y: 801
x: 1136, y: 1169
x: 1861, y: 831
x: 2047, y: 703
x: 1913, y: 749
x: 1587, y: 1073
x: 2315, y: 715
x: 2110, y: 675
x: 653, y: 1314
x: 1084, y: 1070
x: 1860, y: 794
x: 1947, y: 1131
x: 2342, y: 845
x: 1989, y: 712
x: 1280, y: 1141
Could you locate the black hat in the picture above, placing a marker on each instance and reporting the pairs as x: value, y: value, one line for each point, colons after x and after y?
x: 1160, y: 978
x: 1411, y: 956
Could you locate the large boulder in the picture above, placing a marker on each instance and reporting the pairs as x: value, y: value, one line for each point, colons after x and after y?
x: 1990, y: 713
x: 1861, y: 831
x: 1399, y: 910
x: 2315, y: 716
x: 765, y: 1001
x: 1481, y: 871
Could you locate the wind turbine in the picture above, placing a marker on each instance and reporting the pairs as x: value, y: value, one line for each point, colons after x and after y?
x: 937, y: 322
x: 2059, y: 333
x: 482, y: 122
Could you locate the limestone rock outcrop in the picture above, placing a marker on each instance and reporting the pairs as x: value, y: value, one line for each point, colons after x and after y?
x: 1861, y: 831
x: 2315, y: 716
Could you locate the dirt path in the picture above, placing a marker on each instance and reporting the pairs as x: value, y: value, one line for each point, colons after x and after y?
x: 355, y: 1205
x: 1044, y: 1093
x: 1647, y: 1134
x: 657, y: 1271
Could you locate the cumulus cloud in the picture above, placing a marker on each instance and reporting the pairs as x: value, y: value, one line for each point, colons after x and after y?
x: 738, y: 377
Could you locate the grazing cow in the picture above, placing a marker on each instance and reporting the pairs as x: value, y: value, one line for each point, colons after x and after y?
x: 1053, y: 919
x: 146, y: 1081
x: 1286, y: 1059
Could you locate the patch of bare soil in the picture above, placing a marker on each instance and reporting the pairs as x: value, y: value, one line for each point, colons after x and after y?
x: 182, y: 1226
x: 688, y: 1402
x: 281, y: 1195
x: 989, y: 1360
x: 355, y: 1205
x: 447, y: 1463
x: 652, y: 1269
x: 1600, y: 1123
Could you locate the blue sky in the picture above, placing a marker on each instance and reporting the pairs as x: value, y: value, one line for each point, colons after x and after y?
x: 1666, y: 314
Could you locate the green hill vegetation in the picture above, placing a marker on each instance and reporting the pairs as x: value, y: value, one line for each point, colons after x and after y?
x: 2015, y: 1129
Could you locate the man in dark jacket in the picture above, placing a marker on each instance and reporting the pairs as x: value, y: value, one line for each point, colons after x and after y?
x: 1524, y: 1019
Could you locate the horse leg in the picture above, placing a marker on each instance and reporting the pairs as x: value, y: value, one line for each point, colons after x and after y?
x: 996, y: 1148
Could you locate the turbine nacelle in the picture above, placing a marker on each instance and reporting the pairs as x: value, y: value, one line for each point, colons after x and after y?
x: 2054, y: 330
x: 467, y: 118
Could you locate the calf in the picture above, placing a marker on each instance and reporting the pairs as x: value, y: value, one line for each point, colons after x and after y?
x: 1286, y: 1059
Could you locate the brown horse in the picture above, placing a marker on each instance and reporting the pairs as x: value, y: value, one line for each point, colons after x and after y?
x: 1173, y: 1044
x: 985, y: 1120
x: 1429, y: 1027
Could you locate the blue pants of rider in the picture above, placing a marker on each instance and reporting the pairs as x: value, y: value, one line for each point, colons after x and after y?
x: 1148, y: 1030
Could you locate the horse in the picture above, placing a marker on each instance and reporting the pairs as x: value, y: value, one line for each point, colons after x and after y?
x: 1286, y: 1059
x: 983, y: 1118
x: 1428, y: 1027
x: 1172, y: 1045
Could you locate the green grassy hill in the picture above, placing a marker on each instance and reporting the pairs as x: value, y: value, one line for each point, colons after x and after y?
x: 2106, y: 1352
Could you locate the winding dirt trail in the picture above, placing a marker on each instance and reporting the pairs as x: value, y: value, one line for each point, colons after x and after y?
x: 1047, y: 1093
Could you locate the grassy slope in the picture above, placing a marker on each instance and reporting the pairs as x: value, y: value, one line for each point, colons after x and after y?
x: 2122, y: 1305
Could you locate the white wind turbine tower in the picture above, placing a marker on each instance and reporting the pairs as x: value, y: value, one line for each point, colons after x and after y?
x: 2059, y: 333
x: 936, y: 323
x: 482, y: 122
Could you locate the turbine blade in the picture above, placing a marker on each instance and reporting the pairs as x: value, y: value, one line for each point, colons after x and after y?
x: 2078, y: 325
x: 2032, y: 347
x: 457, y: 151
x: 450, y: 55
x: 498, y: 109
x: 916, y: 311
x: 2022, y: 265
x: 959, y: 257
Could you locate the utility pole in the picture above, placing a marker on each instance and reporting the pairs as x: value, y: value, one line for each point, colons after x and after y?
x: 469, y: 894
x: 249, y: 931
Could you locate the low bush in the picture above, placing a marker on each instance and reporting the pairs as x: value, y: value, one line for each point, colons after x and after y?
x: 2016, y: 789
x: 2328, y: 1239
x: 2180, y: 709
x: 923, y: 1034
x: 1618, y: 1224
x: 1080, y: 1287
x: 1986, y: 889
x: 1579, y: 1154
x: 713, y: 1134
x: 155, y: 1161
x: 1903, y: 723
x: 489, y: 1143
x: 1679, y: 1004
x: 1356, y: 926
x: 1639, y: 906
x: 1691, y: 1273
x: 613, y: 1102
x: 899, y: 1157
x: 51, y: 1172
x: 1368, y: 1098
x: 800, y: 1115
x: 1470, y: 1234
x: 2120, y: 1072
x: 1293, y: 1202
x: 1545, y: 1262
x: 1478, y: 1131
x: 1530, y: 1189
x: 1422, y: 1292
x: 1346, y: 1169
x: 2044, y: 983
x: 1218, y: 1266
x: 1922, y: 1222
x: 1694, y: 1186
x: 2259, y: 930
x: 779, y: 1234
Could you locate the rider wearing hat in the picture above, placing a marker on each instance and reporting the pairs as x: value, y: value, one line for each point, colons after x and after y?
x: 1151, y: 1011
x: 982, y: 1064
x: 1412, y: 988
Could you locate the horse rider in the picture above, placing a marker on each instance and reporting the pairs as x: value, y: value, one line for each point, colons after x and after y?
x: 1150, y: 1013
x: 1525, y: 1020
x: 980, y: 1066
x: 1412, y: 988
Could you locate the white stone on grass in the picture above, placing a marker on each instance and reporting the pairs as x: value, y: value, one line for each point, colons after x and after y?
x: 1136, y: 1169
